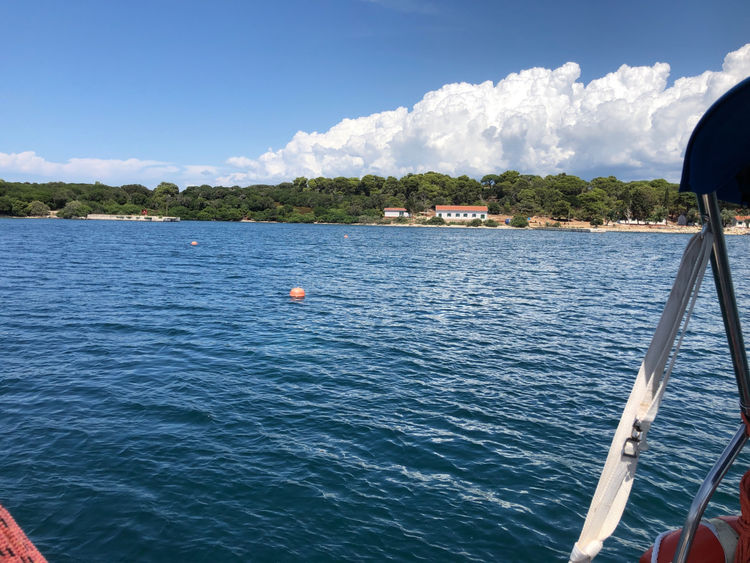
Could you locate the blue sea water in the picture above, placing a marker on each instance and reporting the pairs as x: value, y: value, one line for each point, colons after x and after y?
x: 440, y: 394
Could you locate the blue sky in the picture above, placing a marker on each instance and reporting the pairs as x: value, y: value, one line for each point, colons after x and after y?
x: 197, y: 92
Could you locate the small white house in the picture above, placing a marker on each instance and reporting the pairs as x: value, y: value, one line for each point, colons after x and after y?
x: 461, y: 212
x: 396, y: 212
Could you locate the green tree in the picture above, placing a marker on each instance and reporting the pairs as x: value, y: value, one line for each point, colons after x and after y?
x: 164, y: 194
x: 414, y: 206
x: 136, y: 194
x: 370, y: 185
x: 560, y: 209
x: 547, y: 197
x: 490, y: 180
x: 528, y: 202
x: 611, y: 186
x: 568, y: 185
x: 641, y: 202
x: 6, y: 205
x: 658, y: 214
x: 300, y: 183
x: 351, y: 199
x: 594, y: 203
x: 727, y: 217
x: 74, y: 209
x: 18, y: 208
x: 60, y: 196
x: 510, y: 176
x: 37, y: 209
x: 519, y: 221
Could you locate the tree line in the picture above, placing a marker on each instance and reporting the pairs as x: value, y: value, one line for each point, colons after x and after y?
x: 561, y: 197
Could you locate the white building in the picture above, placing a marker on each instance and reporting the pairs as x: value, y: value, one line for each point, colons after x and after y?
x: 396, y: 212
x: 461, y: 212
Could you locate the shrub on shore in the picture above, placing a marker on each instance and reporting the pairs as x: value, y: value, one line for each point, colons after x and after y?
x: 301, y: 218
x: 435, y: 221
x: 475, y: 223
x: 74, y: 209
x: 519, y: 221
x: 491, y: 223
x: 37, y: 209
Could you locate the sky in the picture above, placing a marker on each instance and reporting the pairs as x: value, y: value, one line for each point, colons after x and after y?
x: 240, y: 92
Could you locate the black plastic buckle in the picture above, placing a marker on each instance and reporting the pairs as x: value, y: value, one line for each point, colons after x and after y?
x: 632, y: 447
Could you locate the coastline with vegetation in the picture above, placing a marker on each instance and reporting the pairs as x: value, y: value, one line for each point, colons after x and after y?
x: 554, y: 201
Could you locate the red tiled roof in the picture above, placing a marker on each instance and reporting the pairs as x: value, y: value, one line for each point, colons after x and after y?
x: 395, y: 209
x: 482, y: 208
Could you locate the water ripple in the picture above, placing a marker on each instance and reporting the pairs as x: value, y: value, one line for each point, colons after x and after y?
x: 440, y: 395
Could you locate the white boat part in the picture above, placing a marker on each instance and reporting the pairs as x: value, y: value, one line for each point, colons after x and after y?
x: 616, y: 479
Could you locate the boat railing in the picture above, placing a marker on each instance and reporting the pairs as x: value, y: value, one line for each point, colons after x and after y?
x: 709, y: 208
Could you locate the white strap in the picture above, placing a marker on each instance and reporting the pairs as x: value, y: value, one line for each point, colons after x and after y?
x: 616, y: 479
x: 657, y: 545
x: 727, y: 536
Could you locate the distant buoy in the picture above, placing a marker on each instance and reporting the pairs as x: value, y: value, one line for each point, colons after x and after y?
x: 297, y: 293
x: 346, y: 236
x: 194, y: 243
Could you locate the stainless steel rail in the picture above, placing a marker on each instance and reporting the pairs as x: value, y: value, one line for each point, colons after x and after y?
x: 709, y: 208
x: 707, y: 488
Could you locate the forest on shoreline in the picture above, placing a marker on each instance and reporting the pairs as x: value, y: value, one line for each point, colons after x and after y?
x: 562, y: 197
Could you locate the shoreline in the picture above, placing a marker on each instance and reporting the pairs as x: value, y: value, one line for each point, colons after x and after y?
x: 536, y: 224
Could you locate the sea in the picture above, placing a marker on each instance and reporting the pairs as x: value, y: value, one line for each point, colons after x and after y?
x: 440, y: 394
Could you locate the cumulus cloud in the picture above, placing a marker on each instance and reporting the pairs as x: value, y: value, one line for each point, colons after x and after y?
x: 542, y: 121
x: 631, y: 123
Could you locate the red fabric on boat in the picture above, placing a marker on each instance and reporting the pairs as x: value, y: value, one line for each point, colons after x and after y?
x: 706, y: 548
x: 14, y: 545
x: 742, y: 554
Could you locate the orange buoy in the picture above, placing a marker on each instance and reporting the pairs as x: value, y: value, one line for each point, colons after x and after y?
x: 297, y: 293
x: 194, y: 243
x: 714, y: 541
x: 346, y: 236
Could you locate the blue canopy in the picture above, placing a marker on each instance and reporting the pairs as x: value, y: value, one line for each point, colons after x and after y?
x: 717, y: 157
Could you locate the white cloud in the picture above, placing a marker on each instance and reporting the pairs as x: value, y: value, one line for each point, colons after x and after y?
x: 30, y: 166
x: 89, y: 168
x: 629, y: 122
